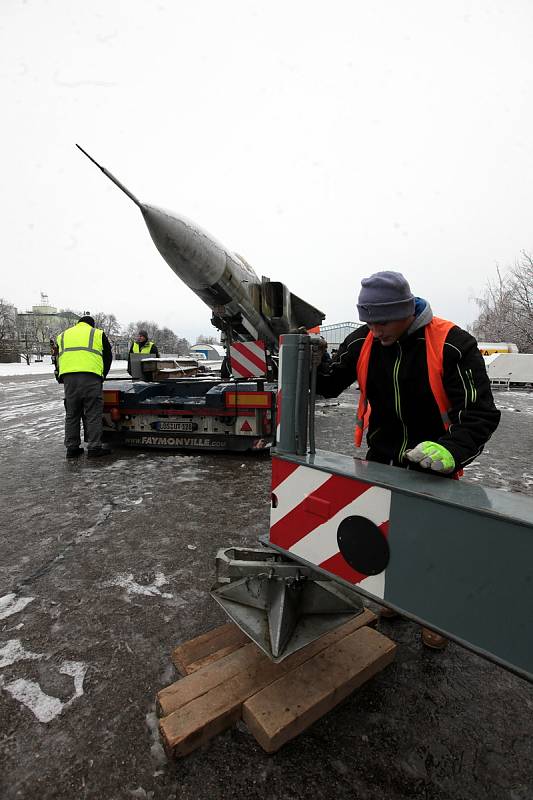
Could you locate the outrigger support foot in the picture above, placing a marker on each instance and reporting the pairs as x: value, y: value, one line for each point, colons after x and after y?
x: 281, y: 605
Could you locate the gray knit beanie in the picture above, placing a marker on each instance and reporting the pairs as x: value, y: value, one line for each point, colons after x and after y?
x: 385, y: 296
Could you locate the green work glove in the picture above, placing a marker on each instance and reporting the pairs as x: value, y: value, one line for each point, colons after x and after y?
x: 431, y: 455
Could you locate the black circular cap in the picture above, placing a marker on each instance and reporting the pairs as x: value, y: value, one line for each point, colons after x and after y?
x: 363, y: 545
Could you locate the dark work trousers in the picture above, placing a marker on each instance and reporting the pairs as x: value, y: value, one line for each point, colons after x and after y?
x: 83, y: 397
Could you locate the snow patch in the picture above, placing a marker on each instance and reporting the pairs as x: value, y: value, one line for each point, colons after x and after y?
x: 132, y: 587
x: 76, y: 670
x: 126, y: 501
x: 140, y: 794
x: 9, y: 605
x: 14, y: 651
x: 156, y: 748
x: 188, y: 475
x: 43, y: 368
x: 44, y: 706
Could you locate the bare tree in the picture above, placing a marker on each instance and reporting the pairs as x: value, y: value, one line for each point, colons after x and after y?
x: 506, y: 307
x: 522, y: 285
x: 108, y: 323
x: 132, y: 329
x: 28, y: 336
x: 183, y: 346
x: 8, y: 332
x: 203, y: 339
x: 166, y: 340
x: 8, y: 320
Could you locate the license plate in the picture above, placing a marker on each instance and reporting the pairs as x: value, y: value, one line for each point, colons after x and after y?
x: 174, y: 426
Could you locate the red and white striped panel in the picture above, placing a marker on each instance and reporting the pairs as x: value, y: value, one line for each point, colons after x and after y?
x: 248, y: 359
x: 308, y: 507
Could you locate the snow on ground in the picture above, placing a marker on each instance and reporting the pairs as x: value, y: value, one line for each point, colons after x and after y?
x: 14, y: 651
x: 10, y: 604
x: 44, y: 706
x: 132, y: 587
x: 42, y: 368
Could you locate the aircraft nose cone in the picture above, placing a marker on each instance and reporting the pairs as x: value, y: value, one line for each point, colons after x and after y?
x: 195, y: 256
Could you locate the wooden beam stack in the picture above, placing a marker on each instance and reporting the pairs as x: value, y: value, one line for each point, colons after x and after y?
x: 228, y: 678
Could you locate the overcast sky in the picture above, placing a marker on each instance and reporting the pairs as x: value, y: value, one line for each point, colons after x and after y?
x: 322, y: 141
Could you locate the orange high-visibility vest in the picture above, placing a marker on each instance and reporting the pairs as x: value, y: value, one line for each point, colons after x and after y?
x: 435, y: 334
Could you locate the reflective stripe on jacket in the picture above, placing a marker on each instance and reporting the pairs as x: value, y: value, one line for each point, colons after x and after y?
x: 146, y: 348
x: 435, y: 334
x: 80, y: 350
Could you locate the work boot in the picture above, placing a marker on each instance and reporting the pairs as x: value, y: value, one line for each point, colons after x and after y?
x: 96, y: 452
x: 433, y: 640
x: 429, y: 638
x: 74, y: 452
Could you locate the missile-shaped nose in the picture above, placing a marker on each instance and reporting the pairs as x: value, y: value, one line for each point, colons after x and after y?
x: 194, y: 255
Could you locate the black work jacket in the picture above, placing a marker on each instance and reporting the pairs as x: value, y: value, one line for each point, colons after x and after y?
x: 403, y: 409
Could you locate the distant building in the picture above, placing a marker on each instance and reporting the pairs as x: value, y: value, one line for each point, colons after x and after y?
x: 36, y: 327
x: 44, y: 316
x: 337, y: 333
x: 490, y: 348
x: 212, y: 352
x: 510, y: 370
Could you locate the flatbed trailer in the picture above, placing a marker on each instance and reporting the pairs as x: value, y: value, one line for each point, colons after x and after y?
x: 190, y: 414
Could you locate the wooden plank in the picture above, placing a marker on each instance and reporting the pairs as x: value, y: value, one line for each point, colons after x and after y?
x: 187, y: 689
x: 291, y: 704
x: 210, y: 700
x: 249, y: 657
x: 212, y: 657
x: 227, y: 637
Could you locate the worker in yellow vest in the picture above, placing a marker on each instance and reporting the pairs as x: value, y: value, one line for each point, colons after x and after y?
x: 144, y: 346
x: 83, y: 361
x: 425, y: 396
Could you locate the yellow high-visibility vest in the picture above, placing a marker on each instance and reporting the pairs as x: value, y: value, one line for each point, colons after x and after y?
x: 147, y: 346
x: 81, y: 349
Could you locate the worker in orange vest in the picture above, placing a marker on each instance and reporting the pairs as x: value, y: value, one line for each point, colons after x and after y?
x: 425, y: 399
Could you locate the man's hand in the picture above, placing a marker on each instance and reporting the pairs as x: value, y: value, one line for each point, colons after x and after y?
x: 318, y: 348
x: 318, y: 345
x: 431, y: 455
